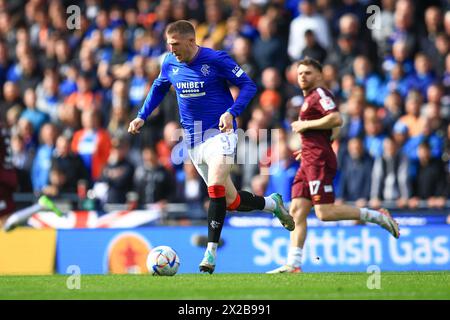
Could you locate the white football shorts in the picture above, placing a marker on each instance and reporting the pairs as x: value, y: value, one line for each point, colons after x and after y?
x: 224, y: 143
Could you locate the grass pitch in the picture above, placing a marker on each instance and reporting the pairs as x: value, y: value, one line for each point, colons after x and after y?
x: 394, y: 285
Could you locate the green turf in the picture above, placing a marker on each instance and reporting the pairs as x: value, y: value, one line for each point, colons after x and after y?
x: 394, y: 285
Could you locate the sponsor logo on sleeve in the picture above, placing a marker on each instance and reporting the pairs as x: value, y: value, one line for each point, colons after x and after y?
x: 327, y: 103
x: 238, y: 71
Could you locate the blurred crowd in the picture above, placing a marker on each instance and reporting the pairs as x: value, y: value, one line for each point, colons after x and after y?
x: 69, y: 91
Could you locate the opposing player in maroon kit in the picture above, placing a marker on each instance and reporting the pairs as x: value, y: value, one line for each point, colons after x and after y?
x: 318, y: 124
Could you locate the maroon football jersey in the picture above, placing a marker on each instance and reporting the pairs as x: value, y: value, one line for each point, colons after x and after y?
x: 316, y: 144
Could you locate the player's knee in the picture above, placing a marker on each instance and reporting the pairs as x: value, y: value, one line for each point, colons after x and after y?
x: 299, y: 209
x: 215, y: 181
x: 295, y: 212
x: 298, y: 213
x: 217, y: 177
x: 299, y: 219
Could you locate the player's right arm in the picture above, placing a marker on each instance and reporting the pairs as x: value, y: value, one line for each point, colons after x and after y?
x: 331, y: 117
x: 329, y: 121
x: 154, y: 97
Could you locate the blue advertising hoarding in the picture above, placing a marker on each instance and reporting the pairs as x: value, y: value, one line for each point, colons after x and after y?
x: 257, y: 250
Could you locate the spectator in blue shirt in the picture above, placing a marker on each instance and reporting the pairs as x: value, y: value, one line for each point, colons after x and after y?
x: 404, y: 24
x: 31, y: 113
x: 69, y: 84
x: 423, y: 76
x: 374, y: 135
x: 400, y: 135
x: 102, y: 24
x: 401, y: 52
x: 42, y: 162
x: 138, y: 83
x: 353, y: 124
x: 152, y: 47
x: 391, y: 111
x: 237, y: 27
x: 48, y: 98
x: 434, y: 141
x: 364, y: 75
x: 395, y: 81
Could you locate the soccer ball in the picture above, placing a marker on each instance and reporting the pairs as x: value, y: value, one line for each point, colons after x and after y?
x: 163, y: 261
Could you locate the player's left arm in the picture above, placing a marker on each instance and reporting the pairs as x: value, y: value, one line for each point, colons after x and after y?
x: 330, y: 121
x: 231, y: 71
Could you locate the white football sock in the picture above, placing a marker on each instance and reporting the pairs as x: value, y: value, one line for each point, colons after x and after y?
x: 369, y: 215
x: 270, y: 204
x: 212, y: 247
x: 294, y: 256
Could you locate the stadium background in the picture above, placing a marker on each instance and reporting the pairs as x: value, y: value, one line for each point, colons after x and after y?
x: 390, y: 73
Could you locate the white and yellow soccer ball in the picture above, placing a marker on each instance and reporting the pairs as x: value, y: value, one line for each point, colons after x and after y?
x: 163, y: 261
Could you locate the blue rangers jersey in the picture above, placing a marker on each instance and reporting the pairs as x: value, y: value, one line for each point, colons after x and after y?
x: 202, y: 91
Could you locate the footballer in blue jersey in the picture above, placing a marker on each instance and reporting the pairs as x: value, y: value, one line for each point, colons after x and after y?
x: 201, y: 78
x: 202, y: 91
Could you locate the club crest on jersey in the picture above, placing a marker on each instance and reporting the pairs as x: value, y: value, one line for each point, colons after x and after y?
x: 205, y: 69
x: 304, y: 107
x: 175, y: 70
